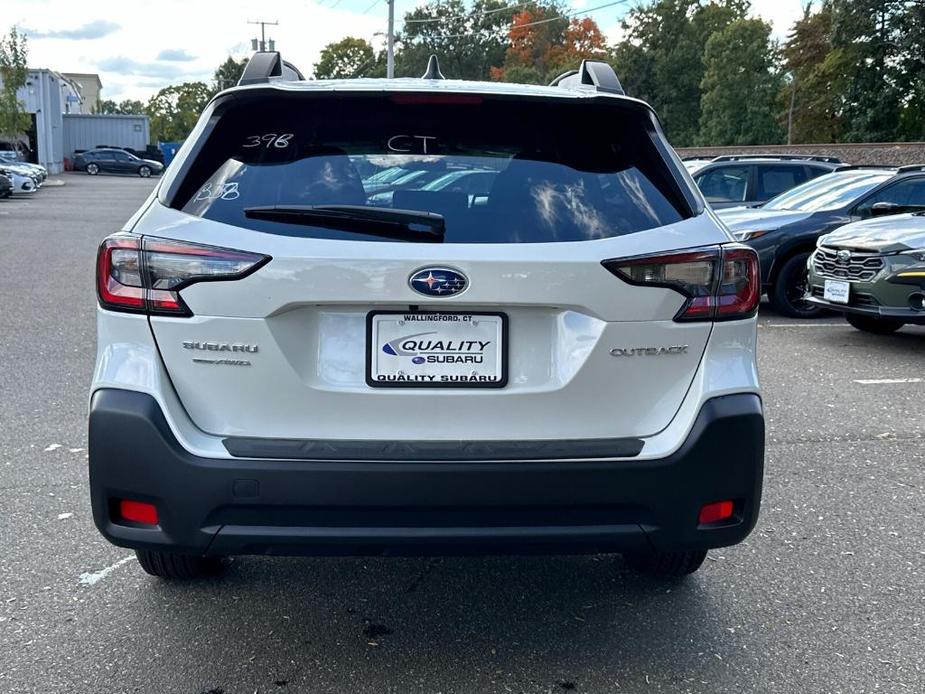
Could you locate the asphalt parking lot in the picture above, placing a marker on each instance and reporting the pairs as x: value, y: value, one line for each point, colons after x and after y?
x: 827, y: 595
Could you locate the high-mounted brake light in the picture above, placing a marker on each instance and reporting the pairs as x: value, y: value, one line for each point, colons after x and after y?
x: 418, y: 98
x: 719, y: 282
x: 145, y: 275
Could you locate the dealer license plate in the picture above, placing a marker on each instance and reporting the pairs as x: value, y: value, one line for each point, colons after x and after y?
x: 836, y: 291
x: 442, y: 349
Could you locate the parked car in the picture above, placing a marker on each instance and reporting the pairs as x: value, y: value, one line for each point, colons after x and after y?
x: 873, y: 272
x: 6, y: 186
x: 22, y: 183
x: 285, y: 368
x: 113, y: 160
x: 36, y: 173
x: 39, y: 172
x: 752, y: 179
x: 784, y: 230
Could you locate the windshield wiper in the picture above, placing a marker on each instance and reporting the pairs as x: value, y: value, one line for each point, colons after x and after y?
x: 405, y: 225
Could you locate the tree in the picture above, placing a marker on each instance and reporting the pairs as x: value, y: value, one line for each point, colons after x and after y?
x: 228, y: 73
x: 544, y: 43
x: 740, y: 86
x: 174, y: 110
x: 912, y: 75
x: 13, y: 73
x: 468, y: 41
x: 128, y: 107
x: 867, y: 42
x: 661, y: 58
x: 349, y: 57
x: 812, y: 90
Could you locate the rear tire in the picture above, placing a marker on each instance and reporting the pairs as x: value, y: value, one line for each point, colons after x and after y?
x: 877, y: 326
x: 790, y: 287
x: 93, y: 169
x: 666, y: 564
x: 177, y: 566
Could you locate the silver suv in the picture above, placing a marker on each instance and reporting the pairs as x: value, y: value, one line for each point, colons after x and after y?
x: 560, y: 361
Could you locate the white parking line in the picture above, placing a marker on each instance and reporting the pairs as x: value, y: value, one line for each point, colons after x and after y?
x: 887, y: 381
x: 89, y: 579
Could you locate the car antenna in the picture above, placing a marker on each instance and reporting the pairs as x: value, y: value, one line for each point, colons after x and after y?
x: 433, y: 69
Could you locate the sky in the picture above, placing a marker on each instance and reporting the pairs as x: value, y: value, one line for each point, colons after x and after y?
x: 138, y: 47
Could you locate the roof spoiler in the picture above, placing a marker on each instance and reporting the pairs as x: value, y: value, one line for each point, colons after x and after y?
x: 268, y: 65
x: 592, y: 73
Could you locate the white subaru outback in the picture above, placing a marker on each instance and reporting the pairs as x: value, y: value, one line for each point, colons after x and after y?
x: 545, y: 343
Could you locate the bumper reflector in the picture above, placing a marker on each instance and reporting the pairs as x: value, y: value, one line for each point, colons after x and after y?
x: 138, y: 512
x: 715, y: 512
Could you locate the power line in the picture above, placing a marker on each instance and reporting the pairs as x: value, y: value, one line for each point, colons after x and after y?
x: 480, y: 14
x: 375, y: 2
x: 567, y: 15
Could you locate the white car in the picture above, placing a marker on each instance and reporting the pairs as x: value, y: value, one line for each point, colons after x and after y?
x: 23, y: 184
x: 283, y: 368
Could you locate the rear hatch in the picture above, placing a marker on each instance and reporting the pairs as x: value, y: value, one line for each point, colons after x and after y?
x: 475, y: 306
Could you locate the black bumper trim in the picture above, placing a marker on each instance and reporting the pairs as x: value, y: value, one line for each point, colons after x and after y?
x: 326, y: 449
x: 361, y: 507
x: 906, y: 315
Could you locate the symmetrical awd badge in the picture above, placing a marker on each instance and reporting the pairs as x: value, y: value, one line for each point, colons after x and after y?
x: 438, y: 281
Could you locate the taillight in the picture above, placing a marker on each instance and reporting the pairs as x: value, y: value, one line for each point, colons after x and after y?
x: 719, y: 282
x: 145, y: 275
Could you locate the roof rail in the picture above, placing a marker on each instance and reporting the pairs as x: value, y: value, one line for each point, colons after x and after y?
x: 854, y: 167
x: 911, y: 167
x: 591, y: 73
x: 782, y: 157
x: 264, y: 66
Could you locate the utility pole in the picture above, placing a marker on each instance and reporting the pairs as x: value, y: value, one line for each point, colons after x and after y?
x: 262, y: 43
x: 390, y: 48
x: 793, y: 98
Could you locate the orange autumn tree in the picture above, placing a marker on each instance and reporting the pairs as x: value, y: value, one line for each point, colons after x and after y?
x: 544, y: 43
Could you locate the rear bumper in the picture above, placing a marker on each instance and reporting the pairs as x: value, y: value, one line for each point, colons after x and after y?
x: 269, y: 506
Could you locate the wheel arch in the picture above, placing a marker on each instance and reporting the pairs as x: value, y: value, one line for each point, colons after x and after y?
x: 786, y: 253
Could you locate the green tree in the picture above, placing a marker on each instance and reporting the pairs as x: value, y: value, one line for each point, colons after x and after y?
x: 740, y: 86
x: 867, y: 42
x: 349, y: 57
x: 468, y: 41
x: 228, y: 73
x: 912, y: 75
x: 661, y: 59
x: 174, y: 110
x: 13, y: 73
x: 813, y: 87
x: 127, y: 107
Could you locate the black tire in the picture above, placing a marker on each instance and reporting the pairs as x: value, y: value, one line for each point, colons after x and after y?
x: 144, y: 171
x: 666, y: 564
x: 93, y: 169
x: 177, y: 566
x: 877, y: 326
x: 790, y: 287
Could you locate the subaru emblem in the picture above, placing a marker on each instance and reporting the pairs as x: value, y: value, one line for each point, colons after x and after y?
x: 438, y: 281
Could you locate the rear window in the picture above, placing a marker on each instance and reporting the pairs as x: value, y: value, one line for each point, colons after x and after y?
x: 497, y: 171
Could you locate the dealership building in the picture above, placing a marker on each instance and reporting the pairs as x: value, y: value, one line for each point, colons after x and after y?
x: 61, y: 106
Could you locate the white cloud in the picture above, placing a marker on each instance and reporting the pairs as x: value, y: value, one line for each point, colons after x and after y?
x: 136, y: 52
